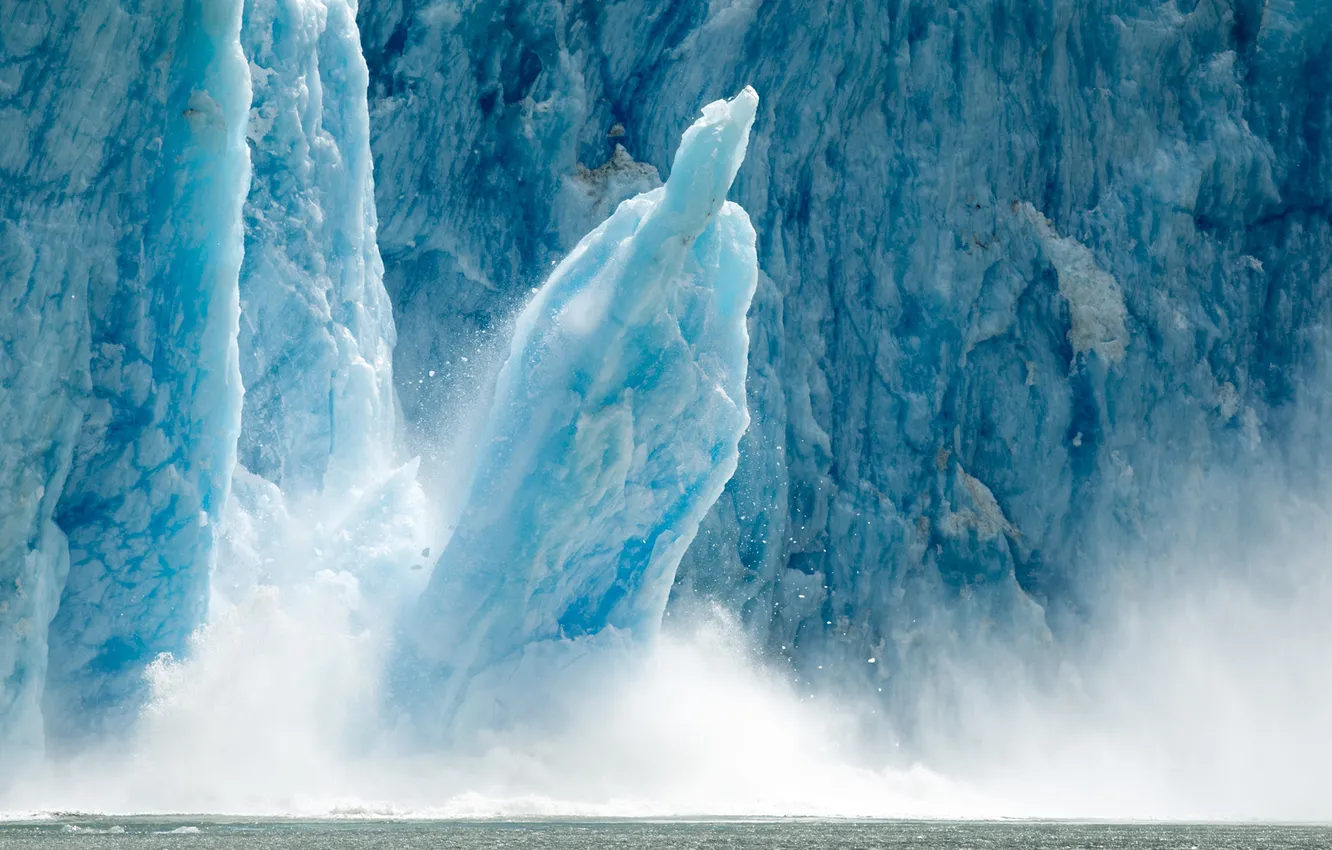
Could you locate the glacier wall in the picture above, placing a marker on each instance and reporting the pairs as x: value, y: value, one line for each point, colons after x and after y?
x: 1031, y: 274
x: 122, y: 195
x: 1033, y: 280
x: 145, y: 275
x: 615, y: 426
x: 153, y: 462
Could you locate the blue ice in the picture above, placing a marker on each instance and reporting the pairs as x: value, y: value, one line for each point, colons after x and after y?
x: 613, y: 429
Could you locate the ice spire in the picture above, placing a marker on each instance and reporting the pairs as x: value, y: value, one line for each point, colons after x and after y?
x: 614, y: 428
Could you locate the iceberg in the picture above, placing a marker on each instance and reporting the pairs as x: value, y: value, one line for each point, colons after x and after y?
x: 613, y: 429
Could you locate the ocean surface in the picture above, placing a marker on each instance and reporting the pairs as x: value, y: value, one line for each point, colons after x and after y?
x: 91, y: 833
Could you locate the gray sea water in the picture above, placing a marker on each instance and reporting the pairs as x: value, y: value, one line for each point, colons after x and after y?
x: 206, y: 834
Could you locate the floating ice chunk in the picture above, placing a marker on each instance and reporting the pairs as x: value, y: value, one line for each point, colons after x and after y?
x: 614, y: 428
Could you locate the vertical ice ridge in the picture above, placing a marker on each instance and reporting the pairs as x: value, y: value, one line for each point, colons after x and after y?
x: 125, y: 251
x: 317, y: 335
x: 614, y: 428
x: 42, y: 374
x: 154, y: 464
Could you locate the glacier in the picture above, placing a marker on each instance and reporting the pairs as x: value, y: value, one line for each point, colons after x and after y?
x: 615, y: 425
x: 1043, y: 286
x: 198, y: 220
x: 1042, y: 292
x: 317, y: 331
x: 127, y: 364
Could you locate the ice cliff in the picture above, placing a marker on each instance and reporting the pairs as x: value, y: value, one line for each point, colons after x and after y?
x: 1033, y: 279
x: 198, y: 382
x: 124, y: 168
x: 1031, y: 275
x: 316, y: 330
x: 149, y: 273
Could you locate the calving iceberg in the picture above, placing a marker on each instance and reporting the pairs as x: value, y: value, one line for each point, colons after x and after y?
x: 1044, y: 298
x: 614, y: 428
x: 197, y: 389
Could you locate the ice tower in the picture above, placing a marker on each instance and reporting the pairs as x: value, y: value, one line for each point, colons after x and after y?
x: 614, y: 428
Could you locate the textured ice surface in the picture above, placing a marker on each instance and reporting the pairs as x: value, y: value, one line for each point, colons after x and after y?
x: 1030, y: 272
x: 47, y: 189
x: 153, y: 463
x: 317, y: 331
x: 614, y: 428
x: 125, y: 209
x: 124, y: 166
x: 39, y: 376
x: 1031, y: 275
